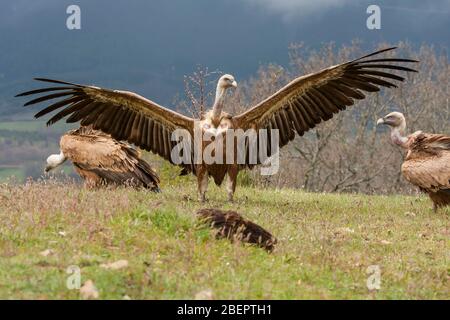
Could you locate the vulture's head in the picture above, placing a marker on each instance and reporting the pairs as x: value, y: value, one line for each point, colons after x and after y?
x: 397, y: 122
x: 54, y: 161
x: 227, y: 81
x: 394, y: 120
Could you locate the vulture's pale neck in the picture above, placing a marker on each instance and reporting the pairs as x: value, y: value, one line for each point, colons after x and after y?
x: 55, y: 160
x: 218, y: 102
x: 398, y: 135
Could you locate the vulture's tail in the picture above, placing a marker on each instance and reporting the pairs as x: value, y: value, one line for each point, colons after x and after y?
x: 148, y: 176
x: 138, y: 178
x: 139, y: 173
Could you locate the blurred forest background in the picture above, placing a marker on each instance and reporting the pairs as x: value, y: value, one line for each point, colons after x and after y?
x: 147, y: 47
x: 347, y: 154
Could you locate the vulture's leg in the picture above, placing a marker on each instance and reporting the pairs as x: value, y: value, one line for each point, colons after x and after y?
x: 90, y: 183
x: 433, y: 199
x: 231, y: 182
x: 202, y: 181
x: 435, y: 207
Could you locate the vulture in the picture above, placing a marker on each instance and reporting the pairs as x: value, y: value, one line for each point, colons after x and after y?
x: 231, y: 225
x: 101, y: 160
x: 294, y: 109
x: 427, y: 161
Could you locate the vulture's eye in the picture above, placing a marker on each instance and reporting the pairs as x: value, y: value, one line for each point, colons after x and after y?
x: 206, y: 126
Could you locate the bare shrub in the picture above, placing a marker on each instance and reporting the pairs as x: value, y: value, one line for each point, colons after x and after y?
x: 199, y: 88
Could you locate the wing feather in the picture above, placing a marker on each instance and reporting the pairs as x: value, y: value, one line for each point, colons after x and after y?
x: 428, y: 162
x: 113, y: 161
x: 311, y: 99
x: 119, y: 113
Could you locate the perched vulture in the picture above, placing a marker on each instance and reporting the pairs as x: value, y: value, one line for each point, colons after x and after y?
x: 231, y: 225
x: 296, y: 108
x: 102, y: 160
x: 427, y: 162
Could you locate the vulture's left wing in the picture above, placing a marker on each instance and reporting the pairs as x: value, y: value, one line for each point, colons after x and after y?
x: 313, y: 98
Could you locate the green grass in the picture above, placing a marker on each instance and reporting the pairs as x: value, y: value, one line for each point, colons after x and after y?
x: 6, y: 173
x: 32, y: 126
x: 326, y: 242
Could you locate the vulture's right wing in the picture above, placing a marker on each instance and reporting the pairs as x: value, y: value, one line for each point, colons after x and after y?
x: 125, y: 115
x: 308, y: 100
x: 427, y: 164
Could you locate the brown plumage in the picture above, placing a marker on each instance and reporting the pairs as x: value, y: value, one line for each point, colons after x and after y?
x: 427, y: 161
x: 296, y: 108
x: 102, y: 160
x: 231, y: 225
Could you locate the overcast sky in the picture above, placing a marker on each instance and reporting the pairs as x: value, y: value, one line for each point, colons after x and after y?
x: 147, y: 46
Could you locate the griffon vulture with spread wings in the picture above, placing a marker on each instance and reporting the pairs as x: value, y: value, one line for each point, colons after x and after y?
x: 102, y: 160
x: 296, y: 108
x: 427, y: 162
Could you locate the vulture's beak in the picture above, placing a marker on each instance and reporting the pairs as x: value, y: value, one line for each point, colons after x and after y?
x: 234, y: 84
x: 380, y: 121
x: 47, y: 169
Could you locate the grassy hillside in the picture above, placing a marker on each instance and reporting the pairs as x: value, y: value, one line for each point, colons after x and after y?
x: 326, y: 243
x: 24, y: 147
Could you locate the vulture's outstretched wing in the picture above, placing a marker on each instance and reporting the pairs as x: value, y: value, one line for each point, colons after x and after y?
x: 313, y: 98
x: 124, y: 115
x: 427, y: 164
x: 113, y: 161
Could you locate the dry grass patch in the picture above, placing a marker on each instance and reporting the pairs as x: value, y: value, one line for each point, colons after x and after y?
x: 326, y: 242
